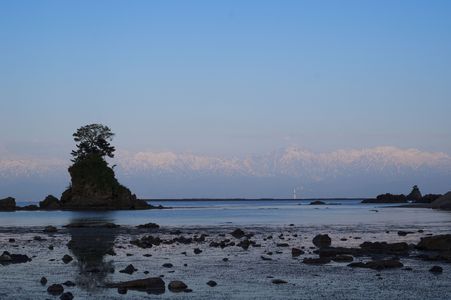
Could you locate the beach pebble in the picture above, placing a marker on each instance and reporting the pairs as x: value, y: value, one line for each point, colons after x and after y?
x: 212, y: 283
x: 278, y: 281
x: 436, y: 269
x: 130, y: 269
x: 67, y: 296
x: 67, y: 259
x: 177, y: 286
x: 55, y: 289
x: 43, y: 280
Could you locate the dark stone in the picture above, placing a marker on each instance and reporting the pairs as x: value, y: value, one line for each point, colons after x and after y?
x: 152, y: 285
x: 385, y: 248
x: 238, y: 233
x: 67, y: 259
x: 343, y: 258
x: 322, y: 241
x: 9, y: 258
x: 130, y: 269
x: 436, y: 270
x: 278, y: 281
x: 43, y: 280
x: 295, y: 252
x: 50, y: 203
x: 67, y: 296
x: 212, y: 283
x: 69, y: 283
x: 55, y: 289
x: 177, y: 286
x: 168, y: 265
x: 282, y: 245
x: 8, y: 204
x: 197, y: 251
x: 404, y: 233
x: 122, y: 290
x: 147, y: 242
x: 436, y: 242
x: 265, y: 258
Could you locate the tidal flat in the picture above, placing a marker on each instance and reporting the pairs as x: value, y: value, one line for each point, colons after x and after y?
x: 264, y: 267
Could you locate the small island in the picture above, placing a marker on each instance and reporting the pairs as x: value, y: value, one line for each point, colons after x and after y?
x: 93, y: 183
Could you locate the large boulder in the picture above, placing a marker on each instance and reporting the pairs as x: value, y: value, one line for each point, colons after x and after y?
x: 50, y: 203
x: 8, y: 204
x: 415, y: 194
x: 444, y: 202
x: 436, y: 243
x: 94, y: 186
x: 322, y: 241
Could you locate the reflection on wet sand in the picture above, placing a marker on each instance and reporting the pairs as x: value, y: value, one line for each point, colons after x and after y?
x: 90, y: 242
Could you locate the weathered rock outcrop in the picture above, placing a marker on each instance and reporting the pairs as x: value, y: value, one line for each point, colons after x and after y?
x: 415, y: 194
x: 94, y: 186
x: 8, y: 204
x: 387, y: 198
x: 50, y: 203
x: 444, y: 202
x: 429, y: 198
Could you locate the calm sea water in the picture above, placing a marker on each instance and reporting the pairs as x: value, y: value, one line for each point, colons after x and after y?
x: 243, y: 212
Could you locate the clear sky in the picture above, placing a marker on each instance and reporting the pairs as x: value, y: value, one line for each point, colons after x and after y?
x: 226, y: 78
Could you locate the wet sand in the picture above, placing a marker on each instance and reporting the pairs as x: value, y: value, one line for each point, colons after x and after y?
x: 100, y: 253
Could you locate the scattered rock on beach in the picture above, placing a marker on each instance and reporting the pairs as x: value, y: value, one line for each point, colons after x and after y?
x: 322, y: 241
x: 436, y: 243
x: 167, y: 265
x: 197, y: 251
x: 67, y: 296
x: 9, y: 258
x: 55, y: 289
x: 237, y: 233
x: 212, y: 283
x: 278, y: 281
x: 177, y: 286
x: 436, y: 270
x: 152, y: 285
x: 343, y: 258
x: 67, y: 259
x: 130, y: 269
x: 295, y: 252
x: 43, y: 280
x: 69, y: 283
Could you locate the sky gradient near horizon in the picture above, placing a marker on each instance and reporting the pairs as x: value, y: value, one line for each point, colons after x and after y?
x: 225, y: 81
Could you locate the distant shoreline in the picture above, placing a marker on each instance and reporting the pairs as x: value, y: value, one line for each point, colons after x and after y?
x: 250, y: 199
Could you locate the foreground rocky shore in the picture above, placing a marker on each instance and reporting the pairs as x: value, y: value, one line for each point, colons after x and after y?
x: 107, y: 261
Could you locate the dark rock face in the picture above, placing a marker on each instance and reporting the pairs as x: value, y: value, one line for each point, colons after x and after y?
x: 435, y: 243
x: 94, y: 186
x: 152, y: 285
x: 415, y: 194
x: 322, y: 241
x: 387, y: 198
x: 50, y: 203
x: 8, y: 204
x: 444, y: 202
x: 429, y: 198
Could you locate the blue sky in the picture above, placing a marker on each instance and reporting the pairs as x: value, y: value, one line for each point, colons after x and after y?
x: 226, y: 78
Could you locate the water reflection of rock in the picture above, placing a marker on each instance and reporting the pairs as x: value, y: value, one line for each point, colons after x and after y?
x: 89, y: 245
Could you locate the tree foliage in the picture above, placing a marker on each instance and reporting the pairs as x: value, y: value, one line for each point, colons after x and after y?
x: 93, y: 140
